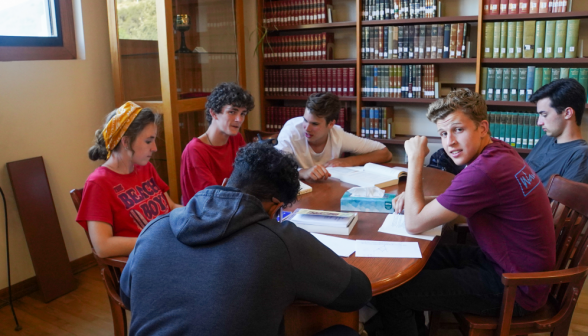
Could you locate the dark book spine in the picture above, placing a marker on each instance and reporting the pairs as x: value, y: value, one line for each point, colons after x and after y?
x: 446, y: 40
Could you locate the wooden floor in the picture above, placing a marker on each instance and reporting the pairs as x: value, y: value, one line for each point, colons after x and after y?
x: 86, y: 312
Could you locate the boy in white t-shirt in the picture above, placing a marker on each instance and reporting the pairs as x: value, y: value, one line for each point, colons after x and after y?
x: 317, y: 143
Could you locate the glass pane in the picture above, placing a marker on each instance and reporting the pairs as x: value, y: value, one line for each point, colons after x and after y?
x: 35, y: 18
x: 137, y: 31
x: 206, y: 45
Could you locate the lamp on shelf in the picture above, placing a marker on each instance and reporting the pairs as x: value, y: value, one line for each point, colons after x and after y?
x: 182, y: 24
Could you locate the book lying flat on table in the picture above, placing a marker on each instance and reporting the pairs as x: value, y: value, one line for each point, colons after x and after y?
x: 369, y: 175
x: 304, y: 188
x: 333, y: 222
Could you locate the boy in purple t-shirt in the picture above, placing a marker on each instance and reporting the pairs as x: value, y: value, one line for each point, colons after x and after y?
x: 507, y: 210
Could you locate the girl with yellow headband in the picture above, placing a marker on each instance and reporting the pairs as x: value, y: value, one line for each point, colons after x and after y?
x: 125, y: 193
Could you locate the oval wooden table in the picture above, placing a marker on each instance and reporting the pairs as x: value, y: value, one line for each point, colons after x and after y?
x: 384, y: 273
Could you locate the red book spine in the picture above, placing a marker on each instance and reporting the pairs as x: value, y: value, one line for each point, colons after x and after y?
x: 345, y: 81
x: 524, y: 7
x: 486, y: 7
x: 544, y: 6
x: 503, y: 7
x: 339, y: 81
x: 314, y: 81
x: 352, y: 82
x: 533, y: 6
x: 513, y: 6
x: 494, y: 7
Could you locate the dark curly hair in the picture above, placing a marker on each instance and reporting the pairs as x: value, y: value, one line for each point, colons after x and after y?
x: 563, y: 93
x: 264, y: 172
x: 143, y: 118
x: 227, y: 94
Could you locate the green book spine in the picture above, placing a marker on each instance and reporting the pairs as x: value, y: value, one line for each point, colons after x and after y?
x: 538, y: 82
x: 488, y: 39
x: 502, y: 129
x: 511, y: 39
x: 513, y: 129
x: 496, y: 41
x: 561, y: 27
x: 484, y: 82
x: 555, y: 74
x: 529, y: 39
x: 530, y: 81
x: 549, y: 39
x: 572, y: 38
x: 565, y: 73
x: 492, y: 123
x: 514, y: 84
x: 575, y: 74
x: 584, y: 78
x: 526, y: 131
x: 507, y: 127
x: 498, y: 84
x: 491, y: 82
x: 532, y: 123
x: 546, y: 76
x: 522, y: 84
x: 520, y: 119
x: 539, y: 39
x: 520, y: 28
x: 537, y: 134
x: 503, y: 38
x: 505, y: 84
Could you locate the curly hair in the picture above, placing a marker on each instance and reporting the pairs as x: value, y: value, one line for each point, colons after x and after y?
x: 144, y: 118
x: 324, y: 105
x: 227, y: 94
x: 470, y: 103
x: 264, y: 172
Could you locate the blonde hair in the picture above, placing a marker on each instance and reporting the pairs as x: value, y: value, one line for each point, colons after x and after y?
x: 470, y: 103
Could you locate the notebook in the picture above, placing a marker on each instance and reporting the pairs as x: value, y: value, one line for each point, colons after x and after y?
x: 369, y: 175
x: 318, y: 221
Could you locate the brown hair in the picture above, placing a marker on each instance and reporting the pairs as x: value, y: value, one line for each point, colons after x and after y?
x: 470, y: 103
x: 324, y: 105
x: 143, y: 118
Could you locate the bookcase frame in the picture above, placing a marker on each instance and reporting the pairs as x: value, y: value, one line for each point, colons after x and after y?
x: 479, y: 61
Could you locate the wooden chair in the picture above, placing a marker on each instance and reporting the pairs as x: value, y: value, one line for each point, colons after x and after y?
x: 570, y: 210
x: 251, y: 135
x: 111, y: 276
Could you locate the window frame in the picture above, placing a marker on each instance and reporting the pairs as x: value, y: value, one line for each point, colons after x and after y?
x: 65, y: 50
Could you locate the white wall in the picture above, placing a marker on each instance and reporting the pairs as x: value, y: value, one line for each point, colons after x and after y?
x: 52, y: 109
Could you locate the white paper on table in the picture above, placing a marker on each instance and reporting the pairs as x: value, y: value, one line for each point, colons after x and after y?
x: 341, y: 246
x: 386, y: 249
x: 394, y: 224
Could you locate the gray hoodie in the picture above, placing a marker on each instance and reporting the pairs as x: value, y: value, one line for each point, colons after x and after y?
x: 221, y: 266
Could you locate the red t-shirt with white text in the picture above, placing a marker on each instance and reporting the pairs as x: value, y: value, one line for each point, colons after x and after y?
x: 128, y: 202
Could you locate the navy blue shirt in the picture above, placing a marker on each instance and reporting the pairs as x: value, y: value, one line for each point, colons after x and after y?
x: 569, y: 160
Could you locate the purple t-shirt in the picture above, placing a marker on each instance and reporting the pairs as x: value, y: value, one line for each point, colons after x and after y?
x: 508, y: 213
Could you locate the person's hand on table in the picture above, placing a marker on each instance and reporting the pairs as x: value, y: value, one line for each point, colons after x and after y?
x: 416, y: 148
x: 339, y: 162
x: 316, y: 173
x: 398, y: 203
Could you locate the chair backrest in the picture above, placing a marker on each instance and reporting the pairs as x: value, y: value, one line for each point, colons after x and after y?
x: 570, y: 216
x: 252, y: 135
x: 76, y: 198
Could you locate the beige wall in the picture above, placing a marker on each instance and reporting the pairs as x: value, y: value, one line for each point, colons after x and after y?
x: 51, y: 109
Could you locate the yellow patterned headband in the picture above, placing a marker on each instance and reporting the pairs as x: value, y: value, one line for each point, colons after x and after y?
x: 118, y: 125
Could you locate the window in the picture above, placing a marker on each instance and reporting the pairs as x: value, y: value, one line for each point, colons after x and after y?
x: 36, y: 30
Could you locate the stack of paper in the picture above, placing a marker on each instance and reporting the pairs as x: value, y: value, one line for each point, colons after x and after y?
x: 370, y: 248
x: 394, y: 224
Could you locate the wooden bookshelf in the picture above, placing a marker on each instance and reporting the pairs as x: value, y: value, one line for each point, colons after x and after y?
x: 538, y: 16
x: 537, y: 61
x: 512, y: 103
x: 333, y: 62
x: 341, y: 98
x: 399, y: 100
x: 402, y: 22
x: 321, y: 26
x: 420, y: 61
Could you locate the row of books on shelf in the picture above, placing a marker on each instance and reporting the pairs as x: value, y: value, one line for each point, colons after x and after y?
x: 299, y: 47
x: 377, y: 123
x: 399, y: 81
x: 415, y: 41
x: 518, y: 84
x: 493, y: 7
x: 276, y: 117
x: 520, y: 130
x: 398, y: 9
x: 296, y: 12
x: 303, y: 82
x: 532, y: 39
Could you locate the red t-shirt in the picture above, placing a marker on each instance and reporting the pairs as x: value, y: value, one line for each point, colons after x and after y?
x: 204, y: 165
x: 126, y: 201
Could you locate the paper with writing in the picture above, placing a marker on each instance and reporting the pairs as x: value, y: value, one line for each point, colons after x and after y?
x: 386, y: 249
x: 341, y: 246
x: 394, y: 224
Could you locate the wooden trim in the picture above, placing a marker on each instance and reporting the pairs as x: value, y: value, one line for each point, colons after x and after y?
x: 479, y: 45
x: 67, y: 51
x: 260, y: 64
x: 29, y: 285
x: 536, y: 61
x: 156, y: 106
x: 241, y: 64
x: 421, y: 61
x: 190, y: 105
x: 400, y: 100
x: 171, y: 119
x: 117, y: 80
x: 322, y: 26
x: 518, y: 17
x: 341, y: 98
x: 358, y: 67
x: 402, y: 22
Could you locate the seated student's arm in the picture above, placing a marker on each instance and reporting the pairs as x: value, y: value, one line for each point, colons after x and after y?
x: 105, y: 244
x: 172, y: 204
x: 365, y: 151
x: 315, y: 173
x: 577, y: 168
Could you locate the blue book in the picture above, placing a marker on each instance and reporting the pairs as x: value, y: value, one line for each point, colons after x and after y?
x: 363, y: 122
x: 530, y: 81
x: 446, y: 40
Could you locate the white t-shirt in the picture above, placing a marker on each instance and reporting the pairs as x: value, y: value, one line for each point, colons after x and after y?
x: 292, y: 140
